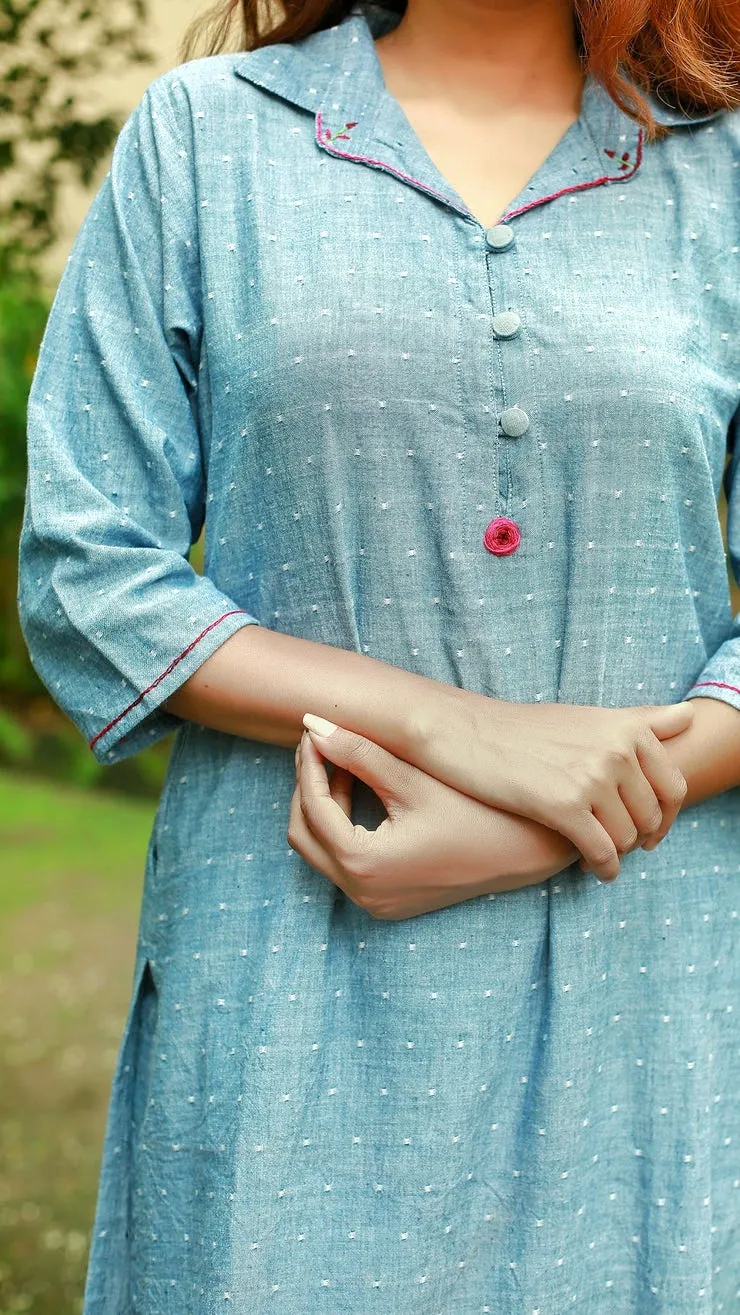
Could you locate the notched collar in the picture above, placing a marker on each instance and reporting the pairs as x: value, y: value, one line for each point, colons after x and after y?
x: 336, y: 75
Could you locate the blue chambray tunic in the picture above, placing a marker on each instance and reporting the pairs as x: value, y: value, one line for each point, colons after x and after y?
x: 490, y: 456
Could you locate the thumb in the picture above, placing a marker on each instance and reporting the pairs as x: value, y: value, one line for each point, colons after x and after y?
x: 666, y: 720
x: 388, y: 776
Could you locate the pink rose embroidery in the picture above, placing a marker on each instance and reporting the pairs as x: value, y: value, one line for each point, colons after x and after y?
x: 502, y: 536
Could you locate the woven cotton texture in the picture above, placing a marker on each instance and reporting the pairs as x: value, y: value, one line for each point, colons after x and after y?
x: 278, y: 320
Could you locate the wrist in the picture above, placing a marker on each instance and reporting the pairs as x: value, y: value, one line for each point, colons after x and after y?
x: 707, y: 753
x: 528, y: 853
x: 445, y: 734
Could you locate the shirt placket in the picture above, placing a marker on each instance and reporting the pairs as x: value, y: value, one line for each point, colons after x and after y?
x: 356, y: 121
x: 373, y: 131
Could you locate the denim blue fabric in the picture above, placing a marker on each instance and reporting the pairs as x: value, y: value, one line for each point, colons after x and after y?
x: 279, y: 319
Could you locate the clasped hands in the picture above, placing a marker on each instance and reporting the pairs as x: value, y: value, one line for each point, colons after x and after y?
x: 492, y: 805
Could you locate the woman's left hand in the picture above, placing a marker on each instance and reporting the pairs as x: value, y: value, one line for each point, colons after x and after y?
x: 437, y: 847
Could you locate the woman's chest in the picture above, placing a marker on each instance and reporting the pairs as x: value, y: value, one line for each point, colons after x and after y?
x: 347, y: 307
x: 372, y: 297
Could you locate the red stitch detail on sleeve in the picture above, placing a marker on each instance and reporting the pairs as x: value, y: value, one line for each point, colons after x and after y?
x: 238, y: 611
x: 719, y: 683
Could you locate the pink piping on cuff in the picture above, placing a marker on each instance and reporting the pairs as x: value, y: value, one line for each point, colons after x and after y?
x: 577, y: 187
x: 721, y: 684
x: 238, y: 611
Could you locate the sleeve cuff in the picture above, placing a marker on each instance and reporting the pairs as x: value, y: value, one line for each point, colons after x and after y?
x: 715, y: 689
x: 143, y: 721
x: 720, y: 678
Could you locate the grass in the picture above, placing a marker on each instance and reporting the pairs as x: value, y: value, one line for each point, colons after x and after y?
x: 70, y: 891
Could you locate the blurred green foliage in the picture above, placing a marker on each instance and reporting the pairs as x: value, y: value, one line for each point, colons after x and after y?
x: 49, y: 51
x: 23, y: 311
x: 34, y: 735
x: 70, y: 892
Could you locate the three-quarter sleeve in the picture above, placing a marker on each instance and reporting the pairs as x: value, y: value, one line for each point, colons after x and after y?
x: 720, y: 677
x: 114, y: 616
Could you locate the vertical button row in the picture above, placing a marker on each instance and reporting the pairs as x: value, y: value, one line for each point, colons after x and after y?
x: 503, y: 535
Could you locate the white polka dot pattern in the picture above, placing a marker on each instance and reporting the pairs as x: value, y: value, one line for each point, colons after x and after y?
x: 280, y: 319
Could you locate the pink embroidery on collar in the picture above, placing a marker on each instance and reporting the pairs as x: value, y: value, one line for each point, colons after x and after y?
x: 321, y: 133
x: 579, y: 187
x: 339, y: 136
x: 623, y: 159
x: 324, y: 137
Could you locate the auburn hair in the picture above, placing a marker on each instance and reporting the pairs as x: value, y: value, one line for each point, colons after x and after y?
x: 686, y: 51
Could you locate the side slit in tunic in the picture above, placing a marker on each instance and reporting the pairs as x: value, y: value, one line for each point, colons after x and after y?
x: 490, y: 456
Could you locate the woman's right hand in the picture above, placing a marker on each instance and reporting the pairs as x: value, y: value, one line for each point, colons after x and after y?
x: 599, y: 776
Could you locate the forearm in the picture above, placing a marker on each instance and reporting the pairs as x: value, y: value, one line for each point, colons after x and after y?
x: 708, y: 753
x: 260, y: 682
x: 528, y: 854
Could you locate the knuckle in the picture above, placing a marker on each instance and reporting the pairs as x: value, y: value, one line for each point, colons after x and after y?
x: 619, y: 753
x: 602, y: 856
x: 576, y: 799
x: 630, y: 840
x: 637, y: 727
x: 655, y: 820
x: 592, y: 776
x: 680, y: 788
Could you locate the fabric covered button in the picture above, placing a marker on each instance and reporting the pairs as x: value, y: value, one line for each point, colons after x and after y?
x: 502, y: 536
x: 514, y: 422
x: 500, y: 237
x: 506, y: 324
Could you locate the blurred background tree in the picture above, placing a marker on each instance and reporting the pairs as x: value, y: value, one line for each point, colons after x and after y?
x: 48, y: 52
x: 53, y: 134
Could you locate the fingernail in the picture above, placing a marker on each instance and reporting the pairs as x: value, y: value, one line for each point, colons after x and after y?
x: 319, y: 725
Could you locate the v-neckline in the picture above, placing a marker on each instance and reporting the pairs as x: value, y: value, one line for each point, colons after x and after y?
x: 577, y: 144
x: 572, y: 142
x: 357, y: 118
